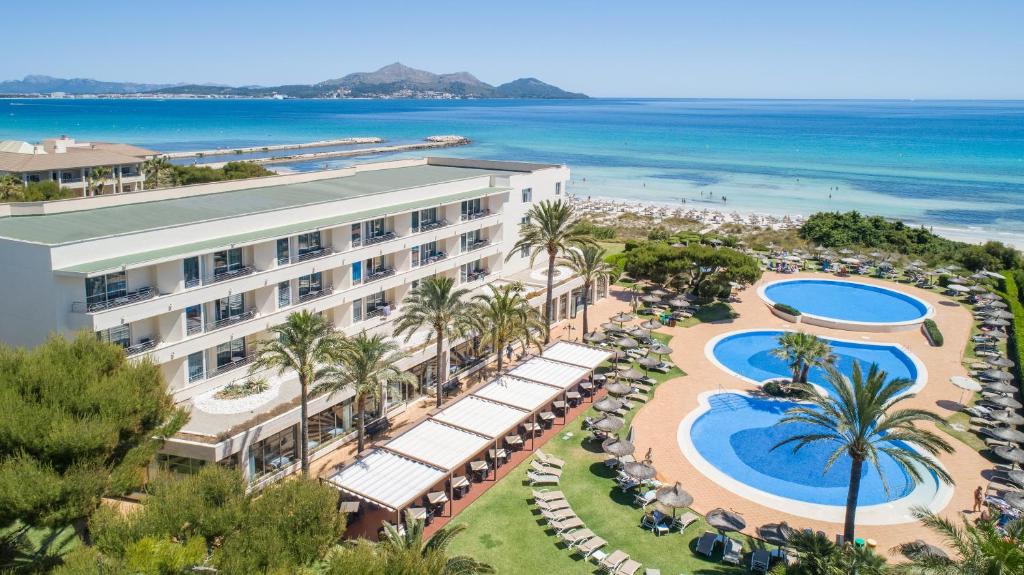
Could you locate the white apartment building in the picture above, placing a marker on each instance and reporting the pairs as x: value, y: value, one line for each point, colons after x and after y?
x: 192, y: 277
x: 70, y: 163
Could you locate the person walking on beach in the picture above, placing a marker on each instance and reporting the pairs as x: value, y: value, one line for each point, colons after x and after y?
x: 979, y: 499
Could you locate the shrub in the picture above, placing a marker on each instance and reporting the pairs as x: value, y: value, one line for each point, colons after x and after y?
x: 784, y: 308
x: 782, y: 388
x: 931, y: 329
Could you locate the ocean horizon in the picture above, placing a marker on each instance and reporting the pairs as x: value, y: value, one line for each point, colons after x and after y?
x: 956, y: 166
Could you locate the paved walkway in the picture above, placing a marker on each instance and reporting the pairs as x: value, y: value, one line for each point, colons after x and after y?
x: 656, y: 425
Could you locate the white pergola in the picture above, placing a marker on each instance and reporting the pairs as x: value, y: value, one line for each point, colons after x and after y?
x: 550, y: 372
x: 579, y: 354
x: 387, y: 479
x: 520, y: 393
x: 438, y: 444
x: 482, y: 416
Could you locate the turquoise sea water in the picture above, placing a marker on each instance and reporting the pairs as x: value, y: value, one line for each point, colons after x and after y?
x: 957, y: 166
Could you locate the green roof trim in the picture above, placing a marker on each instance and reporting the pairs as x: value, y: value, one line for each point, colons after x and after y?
x: 154, y: 256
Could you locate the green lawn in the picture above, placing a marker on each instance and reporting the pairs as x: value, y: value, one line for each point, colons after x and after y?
x: 505, y: 531
x: 40, y: 542
x: 612, y: 248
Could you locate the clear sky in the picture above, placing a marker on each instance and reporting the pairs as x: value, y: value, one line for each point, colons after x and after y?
x: 706, y: 48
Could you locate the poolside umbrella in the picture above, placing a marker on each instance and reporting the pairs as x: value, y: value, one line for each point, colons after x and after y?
x: 725, y: 520
x: 918, y: 263
x: 958, y: 281
x: 673, y: 497
x: 1007, y: 434
x: 678, y: 302
x: 997, y: 375
x: 619, y: 355
x: 1003, y: 401
x: 611, y: 424
x: 966, y: 384
x: 648, y: 362
x: 632, y: 374
x: 978, y: 366
x: 651, y: 324
x: 978, y: 289
x: 638, y: 470
x: 608, y: 405
x: 846, y: 251
x: 941, y: 272
x: 1000, y: 387
x: 616, y: 388
x: 916, y: 550
x: 999, y: 362
x: 639, y: 333
x: 610, y: 327
x: 1016, y: 476
x: 595, y: 337
x: 998, y: 304
x: 850, y: 261
x: 957, y: 288
x: 661, y: 349
x: 996, y: 322
x: 659, y: 292
x: 999, y: 314
x: 621, y: 318
x: 1008, y: 417
x: 618, y: 447
x: 1012, y: 454
x: 776, y: 533
x: 626, y: 343
x: 1015, y: 499
x: 650, y: 298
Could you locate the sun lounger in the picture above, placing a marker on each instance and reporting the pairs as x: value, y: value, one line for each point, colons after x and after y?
x: 628, y: 567
x: 549, y: 461
x: 662, y: 368
x: 566, y: 524
x: 553, y: 505
x: 683, y: 521
x: 733, y: 551
x: 588, y: 547
x: 541, y: 478
x: 544, y: 469
x: 654, y: 523
x: 646, y: 498
x: 706, y: 544
x: 558, y: 514
x: 544, y: 495
x: 612, y: 562
x: 759, y: 561
x: 575, y: 537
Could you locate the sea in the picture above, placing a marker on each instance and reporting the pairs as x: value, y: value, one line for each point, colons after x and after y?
x: 956, y: 167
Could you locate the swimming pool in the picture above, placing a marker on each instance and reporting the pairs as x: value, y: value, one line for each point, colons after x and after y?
x: 730, y: 439
x: 747, y: 354
x: 847, y: 304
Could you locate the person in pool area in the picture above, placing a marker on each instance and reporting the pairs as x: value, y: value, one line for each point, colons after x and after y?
x: 979, y: 499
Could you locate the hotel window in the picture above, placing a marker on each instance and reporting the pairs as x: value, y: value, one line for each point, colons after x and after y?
x: 105, y: 288
x: 357, y: 273
x: 272, y: 453
x: 524, y: 252
x: 469, y: 240
x: 229, y: 307
x: 357, y: 310
x: 330, y: 423
x: 377, y: 305
x: 121, y: 335
x: 311, y: 284
x: 282, y: 251
x: 309, y: 243
x: 470, y: 207
x: 524, y: 220
x: 196, y: 366
x: 558, y: 188
x: 227, y: 261
x: 357, y: 235
x: 284, y: 294
x: 191, y: 269
x: 374, y: 228
x: 527, y: 195
x: 424, y: 254
x: 230, y: 352
x: 194, y: 319
x: 424, y: 219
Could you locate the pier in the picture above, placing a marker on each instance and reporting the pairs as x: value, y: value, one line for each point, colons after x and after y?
x: 274, y: 148
x: 431, y: 143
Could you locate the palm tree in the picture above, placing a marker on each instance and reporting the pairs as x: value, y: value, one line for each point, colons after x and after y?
x: 505, y: 316
x: 816, y: 555
x: 158, y: 171
x: 97, y: 177
x: 11, y: 189
x: 802, y: 351
x: 550, y: 229
x: 433, y: 554
x: 305, y: 343
x: 588, y: 263
x: 365, y: 365
x: 862, y: 419
x: 981, y: 549
x: 435, y: 303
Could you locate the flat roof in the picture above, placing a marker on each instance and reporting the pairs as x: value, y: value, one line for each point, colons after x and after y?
x: 68, y: 227
x: 550, y: 372
x: 518, y: 392
x: 387, y: 479
x: 438, y: 444
x: 577, y: 354
x: 479, y: 415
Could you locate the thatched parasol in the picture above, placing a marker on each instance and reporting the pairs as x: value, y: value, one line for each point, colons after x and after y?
x: 725, y: 520
x: 616, y: 388
x: 609, y: 424
x: 625, y: 343
x: 673, y: 497
x: 1003, y: 401
x: 638, y: 470
x: 608, y: 405
x: 651, y: 324
x: 776, y: 533
x: 1006, y: 434
x: 1011, y: 454
x: 595, y: 337
x: 618, y: 447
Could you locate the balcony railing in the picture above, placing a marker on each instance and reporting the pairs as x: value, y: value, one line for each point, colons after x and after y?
x: 230, y: 275
x: 475, y: 215
x: 475, y: 275
x: 476, y: 245
x: 432, y: 258
x: 324, y: 291
x: 141, y: 347
x: 283, y: 260
x: 379, y: 275
x: 379, y: 311
x: 427, y: 226
x: 96, y: 304
x: 240, y: 362
x: 231, y: 320
x: 314, y: 254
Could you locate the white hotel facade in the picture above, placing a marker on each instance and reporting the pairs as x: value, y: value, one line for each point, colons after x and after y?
x: 192, y: 277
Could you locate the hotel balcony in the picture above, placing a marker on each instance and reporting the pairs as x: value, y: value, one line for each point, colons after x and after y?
x: 141, y: 347
x: 430, y: 259
x: 428, y: 226
x: 475, y: 215
x: 313, y: 254
x: 372, y: 240
x: 476, y: 245
x: 236, y: 364
x: 475, y: 275
x: 228, y: 275
x: 197, y: 327
x: 379, y: 275
x: 97, y: 304
x: 323, y: 292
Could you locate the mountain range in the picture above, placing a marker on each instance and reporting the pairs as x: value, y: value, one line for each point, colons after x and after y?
x: 392, y: 81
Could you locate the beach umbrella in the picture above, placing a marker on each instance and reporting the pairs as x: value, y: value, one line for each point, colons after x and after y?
x: 1015, y: 499
x: 1016, y: 476
x: 638, y: 470
x: 1008, y: 417
x: 978, y: 289
x: 1006, y: 434
x: 678, y: 302
x: 999, y: 362
x: 649, y: 298
x: 1012, y: 454
x: 941, y: 272
x: 965, y: 384
x: 846, y: 251
x: 621, y: 318
x: 776, y: 533
x: 659, y: 292
x: 595, y: 337
x: 640, y: 333
x: 616, y: 388
x: 918, y: 263
x: 999, y: 314
x: 632, y: 374
x: 1004, y: 401
x: 957, y: 288
x: 611, y: 424
x: 918, y: 549
x: 626, y: 343
x: 651, y: 324
x: 618, y: 447
x: 661, y: 349
x: 648, y: 362
x: 619, y: 356
x: 850, y: 261
x: 1000, y: 387
x: 996, y: 375
x: 980, y: 366
x: 673, y: 497
x: 725, y: 520
x: 958, y: 281
x: 996, y: 322
x: 608, y: 405
x: 610, y: 327
x: 953, y: 267
x: 998, y: 304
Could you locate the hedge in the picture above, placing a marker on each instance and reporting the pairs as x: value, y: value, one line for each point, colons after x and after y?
x: 787, y: 309
x: 932, y: 331
x: 1012, y: 296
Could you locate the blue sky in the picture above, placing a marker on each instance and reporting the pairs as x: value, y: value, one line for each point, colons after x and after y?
x: 719, y: 48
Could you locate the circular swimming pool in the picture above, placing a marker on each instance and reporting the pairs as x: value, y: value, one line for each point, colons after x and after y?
x: 730, y: 439
x: 847, y: 304
x: 748, y: 355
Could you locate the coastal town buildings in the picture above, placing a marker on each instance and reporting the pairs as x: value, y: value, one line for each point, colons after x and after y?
x: 70, y: 163
x: 191, y: 278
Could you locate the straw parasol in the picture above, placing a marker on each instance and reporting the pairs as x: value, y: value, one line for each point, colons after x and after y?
x: 632, y: 374
x: 996, y: 322
x: 1014, y: 455
x: 673, y: 497
x: 918, y: 263
x: 608, y: 405
x: 661, y: 349
x: 1015, y: 499
x: 965, y: 384
x: 1016, y: 476
x: 1008, y: 417
x: 997, y: 375
x: 618, y: 447
x: 958, y: 280
x: 625, y: 343
x: 999, y: 362
x: 919, y: 549
x: 648, y: 362
x: 1004, y: 401
x: 725, y: 520
x: 649, y: 298
x: 609, y: 424
x: 678, y: 302
x: 639, y: 333
x: 619, y: 355
x: 999, y: 314
x: 621, y: 318
x: 651, y: 324
x: 1000, y: 387
x: 999, y: 304
x: 616, y: 388
x: 1007, y: 434
x: 638, y: 470
x: 957, y: 288
x: 776, y: 533
x: 659, y: 292
x: 595, y: 337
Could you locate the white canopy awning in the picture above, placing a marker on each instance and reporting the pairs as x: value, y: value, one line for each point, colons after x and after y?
x: 519, y: 392
x: 556, y: 373
x: 482, y: 416
x: 586, y: 356
x: 387, y: 479
x: 442, y: 445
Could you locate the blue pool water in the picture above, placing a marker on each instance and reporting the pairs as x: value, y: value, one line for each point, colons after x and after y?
x: 736, y: 436
x: 847, y: 301
x: 749, y: 354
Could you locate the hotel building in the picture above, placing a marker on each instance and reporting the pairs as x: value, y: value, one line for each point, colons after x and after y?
x: 69, y: 163
x: 192, y: 277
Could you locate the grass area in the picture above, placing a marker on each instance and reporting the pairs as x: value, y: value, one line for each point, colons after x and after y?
x: 613, y: 247
x: 505, y: 530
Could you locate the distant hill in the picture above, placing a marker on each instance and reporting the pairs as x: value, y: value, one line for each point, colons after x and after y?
x: 392, y: 81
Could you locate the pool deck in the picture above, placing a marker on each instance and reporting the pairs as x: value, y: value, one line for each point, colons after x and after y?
x: 657, y: 422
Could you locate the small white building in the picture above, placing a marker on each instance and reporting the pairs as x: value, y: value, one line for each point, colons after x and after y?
x: 192, y: 277
x: 69, y: 163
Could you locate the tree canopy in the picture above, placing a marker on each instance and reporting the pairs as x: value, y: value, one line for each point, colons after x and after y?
x: 704, y: 270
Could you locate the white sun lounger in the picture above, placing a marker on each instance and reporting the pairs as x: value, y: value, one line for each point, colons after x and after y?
x: 549, y: 460
x: 541, y: 478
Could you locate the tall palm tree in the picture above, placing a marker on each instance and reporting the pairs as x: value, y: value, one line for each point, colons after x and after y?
x: 862, y: 419
x: 158, y: 171
x: 504, y: 316
x: 588, y: 263
x: 550, y: 229
x: 436, y: 303
x: 95, y: 180
x: 816, y: 555
x: 980, y: 548
x: 305, y: 343
x: 802, y: 351
x: 11, y: 189
x: 366, y: 364
x: 433, y: 553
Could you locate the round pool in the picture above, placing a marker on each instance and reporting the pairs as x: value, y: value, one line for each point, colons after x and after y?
x: 748, y: 355
x: 730, y: 439
x: 847, y: 304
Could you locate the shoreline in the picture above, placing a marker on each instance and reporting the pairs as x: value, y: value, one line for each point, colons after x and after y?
x: 271, y: 148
